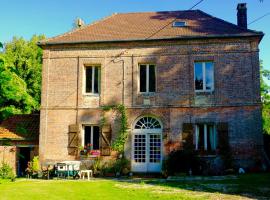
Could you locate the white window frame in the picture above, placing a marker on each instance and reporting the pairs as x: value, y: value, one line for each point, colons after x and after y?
x: 93, y: 79
x: 205, y: 137
x: 147, y: 78
x: 204, y: 77
x: 92, y: 135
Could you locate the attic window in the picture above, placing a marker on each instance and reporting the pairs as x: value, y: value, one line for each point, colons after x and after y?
x: 179, y: 24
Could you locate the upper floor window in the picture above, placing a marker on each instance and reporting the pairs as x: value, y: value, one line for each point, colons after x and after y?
x: 204, y: 76
x: 92, y: 79
x: 205, y: 137
x: 147, y: 78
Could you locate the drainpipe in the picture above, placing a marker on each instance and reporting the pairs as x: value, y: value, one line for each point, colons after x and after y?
x: 77, y: 100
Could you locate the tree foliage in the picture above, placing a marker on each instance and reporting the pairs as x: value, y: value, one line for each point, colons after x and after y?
x: 14, y: 98
x: 20, y: 76
x: 25, y: 59
x: 265, y: 95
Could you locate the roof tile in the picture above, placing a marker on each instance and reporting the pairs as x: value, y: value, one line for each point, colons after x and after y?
x: 20, y: 127
x: 152, y: 25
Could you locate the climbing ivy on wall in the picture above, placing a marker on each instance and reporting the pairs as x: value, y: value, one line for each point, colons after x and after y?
x: 119, y: 142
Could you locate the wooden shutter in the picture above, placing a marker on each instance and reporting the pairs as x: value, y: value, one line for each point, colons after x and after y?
x: 187, y: 136
x: 73, y: 139
x: 224, y: 145
x: 106, y: 140
x: 223, y: 136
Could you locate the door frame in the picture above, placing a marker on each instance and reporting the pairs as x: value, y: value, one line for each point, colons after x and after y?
x: 146, y: 132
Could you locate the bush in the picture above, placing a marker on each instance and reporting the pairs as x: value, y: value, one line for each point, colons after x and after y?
x: 182, y: 161
x: 6, y: 172
x: 120, y: 166
x: 33, y: 167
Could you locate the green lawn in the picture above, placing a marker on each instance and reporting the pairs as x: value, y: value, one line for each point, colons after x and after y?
x: 246, y: 186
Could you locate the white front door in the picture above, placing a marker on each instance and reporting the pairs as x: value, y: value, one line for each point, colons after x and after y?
x: 147, y: 151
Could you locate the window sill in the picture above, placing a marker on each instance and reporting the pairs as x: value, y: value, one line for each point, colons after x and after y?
x: 91, y: 95
x: 207, y: 154
x: 147, y: 94
x: 198, y: 92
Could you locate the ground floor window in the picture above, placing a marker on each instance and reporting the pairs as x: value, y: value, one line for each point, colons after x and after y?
x: 205, y: 137
x: 91, y: 137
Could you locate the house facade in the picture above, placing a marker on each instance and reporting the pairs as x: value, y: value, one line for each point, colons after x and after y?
x: 183, y: 76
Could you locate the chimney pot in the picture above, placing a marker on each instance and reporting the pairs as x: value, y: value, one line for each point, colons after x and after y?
x: 242, y: 15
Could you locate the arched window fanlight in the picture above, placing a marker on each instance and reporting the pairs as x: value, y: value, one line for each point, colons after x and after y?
x: 147, y: 123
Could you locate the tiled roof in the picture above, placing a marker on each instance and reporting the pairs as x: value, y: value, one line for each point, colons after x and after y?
x: 20, y: 127
x: 152, y: 25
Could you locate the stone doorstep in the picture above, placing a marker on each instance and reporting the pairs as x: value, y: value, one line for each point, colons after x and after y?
x: 201, y: 178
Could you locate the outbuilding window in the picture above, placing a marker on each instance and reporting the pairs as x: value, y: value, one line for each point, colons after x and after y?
x: 204, y: 76
x: 92, y: 79
x: 147, y: 78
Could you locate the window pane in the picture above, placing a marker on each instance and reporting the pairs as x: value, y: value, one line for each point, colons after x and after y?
x: 198, y: 76
x: 152, y: 78
x: 201, y: 137
x: 87, y: 135
x: 209, y: 76
x: 211, y: 138
x: 96, y: 137
x: 96, y: 80
x: 142, y: 78
x: 88, y: 79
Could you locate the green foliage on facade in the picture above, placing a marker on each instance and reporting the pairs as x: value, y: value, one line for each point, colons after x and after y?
x: 119, y: 142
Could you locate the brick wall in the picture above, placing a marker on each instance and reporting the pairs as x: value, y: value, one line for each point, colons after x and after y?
x: 8, y: 155
x: 235, y: 99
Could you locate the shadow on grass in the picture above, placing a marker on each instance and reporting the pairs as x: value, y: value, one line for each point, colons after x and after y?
x: 249, y: 185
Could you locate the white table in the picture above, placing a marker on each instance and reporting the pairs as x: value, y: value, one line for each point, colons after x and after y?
x: 89, y: 174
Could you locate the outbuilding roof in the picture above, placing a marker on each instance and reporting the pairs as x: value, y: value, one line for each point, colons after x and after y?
x: 20, y: 127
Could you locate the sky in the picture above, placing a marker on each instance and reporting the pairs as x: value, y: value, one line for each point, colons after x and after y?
x: 24, y: 18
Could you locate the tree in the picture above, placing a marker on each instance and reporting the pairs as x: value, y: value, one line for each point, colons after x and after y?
x: 14, y: 98
x: 24, y: 58
x: 265, y: 95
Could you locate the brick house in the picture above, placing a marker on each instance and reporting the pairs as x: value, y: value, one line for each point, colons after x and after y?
x: 180, y: 75
x: 19, y: 137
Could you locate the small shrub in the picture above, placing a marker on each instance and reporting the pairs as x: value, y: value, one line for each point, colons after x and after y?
x: 121, y: 165
x: 6, y: 172
x: 181, y: 161
x: 33, y: 167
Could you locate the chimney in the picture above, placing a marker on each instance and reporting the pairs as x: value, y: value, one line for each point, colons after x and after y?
x: 242, y: 15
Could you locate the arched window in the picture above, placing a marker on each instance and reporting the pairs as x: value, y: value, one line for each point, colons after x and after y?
x: 147, y: 123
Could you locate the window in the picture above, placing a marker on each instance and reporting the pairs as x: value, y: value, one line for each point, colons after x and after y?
x: 91, y: 137
x: 179, y: 24
x: 147, y: 123
x: 92, y: 79
x: 147, y: 78
x: 204, y: 76
x: 205, y: 137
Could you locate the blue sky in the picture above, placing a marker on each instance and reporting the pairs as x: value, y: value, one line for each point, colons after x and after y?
x: 53, y: 17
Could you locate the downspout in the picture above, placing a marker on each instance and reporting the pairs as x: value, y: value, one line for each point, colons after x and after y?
x: 123, y: 77
x: 190, y: 89
x: 132, y: 79
x: 47, y: 104
x: 77, y: 100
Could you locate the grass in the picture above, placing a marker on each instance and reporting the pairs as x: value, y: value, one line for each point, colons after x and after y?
x: 246, y: 186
